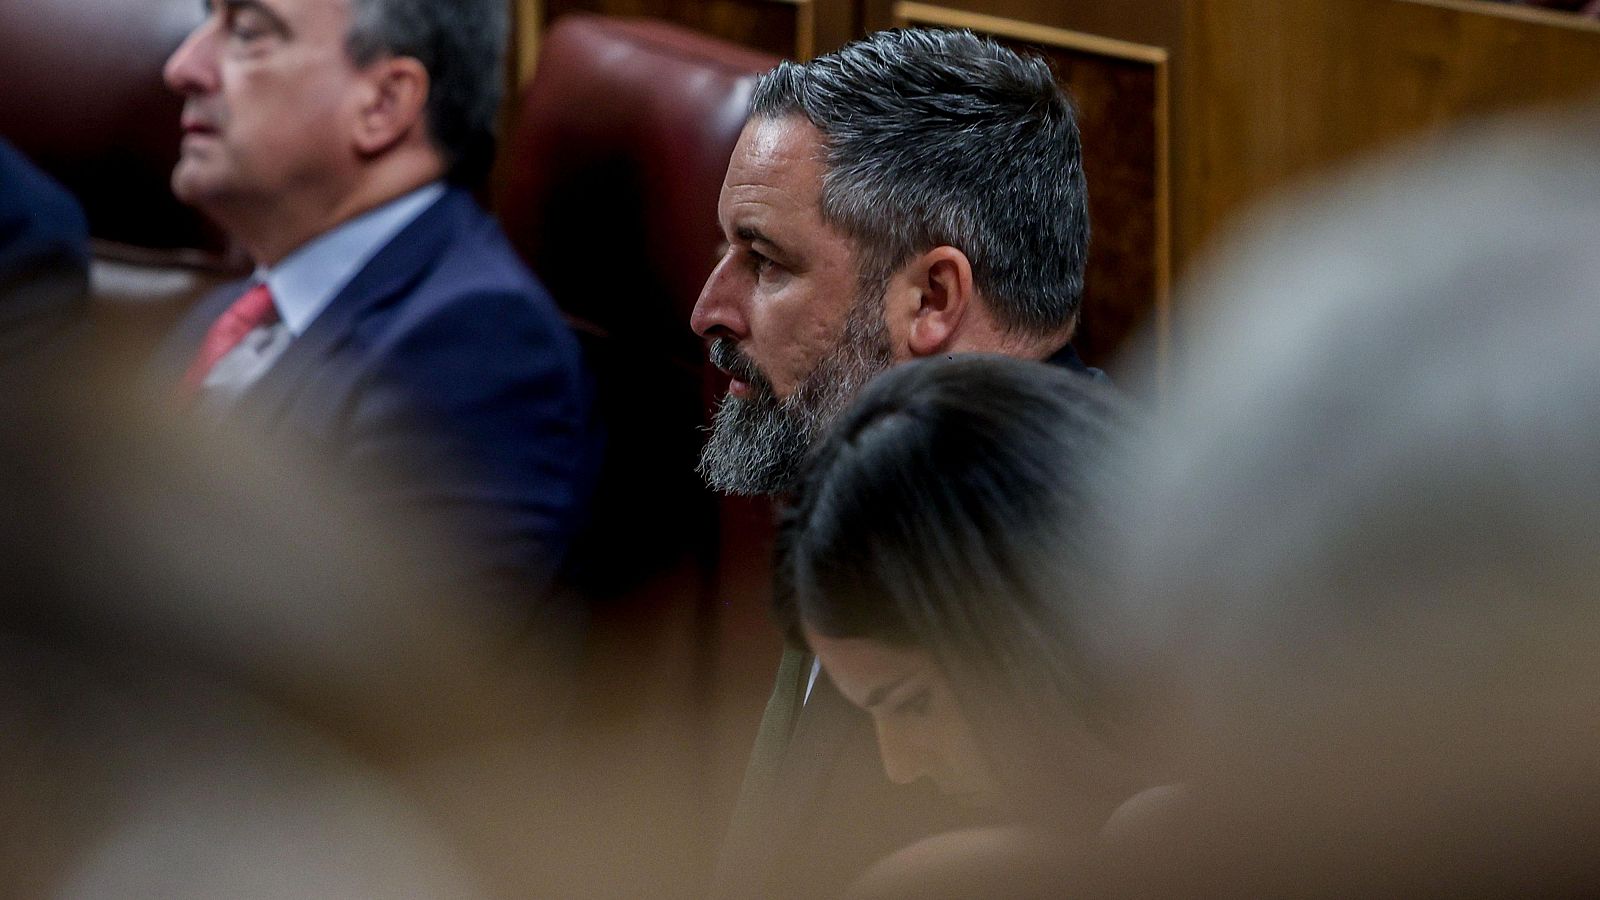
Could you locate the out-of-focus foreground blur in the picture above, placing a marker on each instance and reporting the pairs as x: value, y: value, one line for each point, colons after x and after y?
x: 1358, y: 602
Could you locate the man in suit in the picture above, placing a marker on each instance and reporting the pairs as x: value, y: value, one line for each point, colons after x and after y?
x: 916, y: 193
x: 388, y: 324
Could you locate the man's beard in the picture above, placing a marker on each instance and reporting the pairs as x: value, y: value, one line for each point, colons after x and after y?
x: 759, y: 443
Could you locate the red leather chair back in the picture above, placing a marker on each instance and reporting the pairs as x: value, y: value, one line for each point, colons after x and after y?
x: 612, y: 176
x: 609, y: 189
x: 84, y: 99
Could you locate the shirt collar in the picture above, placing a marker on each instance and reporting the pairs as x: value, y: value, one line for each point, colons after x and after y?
x: 308, y: 279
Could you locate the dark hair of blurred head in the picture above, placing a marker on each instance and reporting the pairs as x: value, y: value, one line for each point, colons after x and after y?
x: 182, y: 606
x: 952, y: 509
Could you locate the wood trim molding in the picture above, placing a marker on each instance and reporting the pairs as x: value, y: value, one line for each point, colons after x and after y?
x: 908, y: 13
x: 805, y: 29
x: 530, y: 27
x: 1514, y: 12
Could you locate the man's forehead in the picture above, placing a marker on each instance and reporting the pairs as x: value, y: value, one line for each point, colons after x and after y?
x: 283, y: 9
x: 789, y: 143
x: 777, y: 163
x: 790, y: 134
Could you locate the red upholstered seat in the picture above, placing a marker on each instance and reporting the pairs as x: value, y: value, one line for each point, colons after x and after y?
x: 84, y: 99
x: 612, y: 175
x: 609, y: 189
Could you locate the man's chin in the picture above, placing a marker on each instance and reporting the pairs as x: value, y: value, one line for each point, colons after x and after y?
x: 194, y: 182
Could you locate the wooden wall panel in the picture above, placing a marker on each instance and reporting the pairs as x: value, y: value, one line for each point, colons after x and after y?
x: 1277, y: 91
x: 1267, y: 92
x: 1154, y: 22
x: 1263, y: 92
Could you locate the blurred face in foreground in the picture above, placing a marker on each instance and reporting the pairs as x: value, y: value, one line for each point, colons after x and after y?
x: 921, y: 729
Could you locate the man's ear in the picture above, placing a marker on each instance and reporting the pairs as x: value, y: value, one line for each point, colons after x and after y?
x: 942, y: 278
x: 394, y: 104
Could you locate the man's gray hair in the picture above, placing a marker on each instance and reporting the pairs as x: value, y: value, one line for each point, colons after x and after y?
x: 462, y: 44
x: 945, y: 138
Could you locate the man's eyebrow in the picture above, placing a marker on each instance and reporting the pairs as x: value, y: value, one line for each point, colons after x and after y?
x: 882, y: 691
x: 750, y: 235
x: 274, y: 21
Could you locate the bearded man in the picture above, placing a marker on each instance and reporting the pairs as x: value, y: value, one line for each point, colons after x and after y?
x: 915, y: 193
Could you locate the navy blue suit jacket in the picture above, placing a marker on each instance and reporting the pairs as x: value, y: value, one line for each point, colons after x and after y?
x: 441, y: 381
x: 44, y: 258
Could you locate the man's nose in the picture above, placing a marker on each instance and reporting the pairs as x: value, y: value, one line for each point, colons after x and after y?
x: 192, y: 68
x: 719, y: 311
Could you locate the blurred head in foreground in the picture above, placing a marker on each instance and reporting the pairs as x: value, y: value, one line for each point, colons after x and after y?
x: 1366, y: 557
x: 933, y: 560
x: 219, y: 678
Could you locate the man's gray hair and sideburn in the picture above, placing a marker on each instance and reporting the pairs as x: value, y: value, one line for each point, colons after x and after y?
x: 462, y: 44
x: 946, y: 138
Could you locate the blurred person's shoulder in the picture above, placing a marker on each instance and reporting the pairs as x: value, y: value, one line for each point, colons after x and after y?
x: 999, y: 861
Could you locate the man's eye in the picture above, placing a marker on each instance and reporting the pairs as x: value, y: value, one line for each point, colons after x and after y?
x: 915, y: 705
x: 760, y: 262
x: 246, y: 26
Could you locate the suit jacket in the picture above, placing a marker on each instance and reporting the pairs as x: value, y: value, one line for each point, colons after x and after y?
x: 816, y: 808
x: 441, y: 381
x: 44, y: 258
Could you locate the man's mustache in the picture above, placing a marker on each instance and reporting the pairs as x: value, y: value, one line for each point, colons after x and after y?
x: 726, y: 355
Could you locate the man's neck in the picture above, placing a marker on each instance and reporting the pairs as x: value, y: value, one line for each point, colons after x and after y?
x: 994, y: 340
x: 269, y: 234
x: 979, y: 332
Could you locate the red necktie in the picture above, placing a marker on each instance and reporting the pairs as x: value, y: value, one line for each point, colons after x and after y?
x: 250, y: 311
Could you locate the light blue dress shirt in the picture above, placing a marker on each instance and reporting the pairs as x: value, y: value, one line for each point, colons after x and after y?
x: 302, y: 286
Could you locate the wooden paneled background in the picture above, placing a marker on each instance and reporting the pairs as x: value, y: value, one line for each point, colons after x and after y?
x: 1192, y: 109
